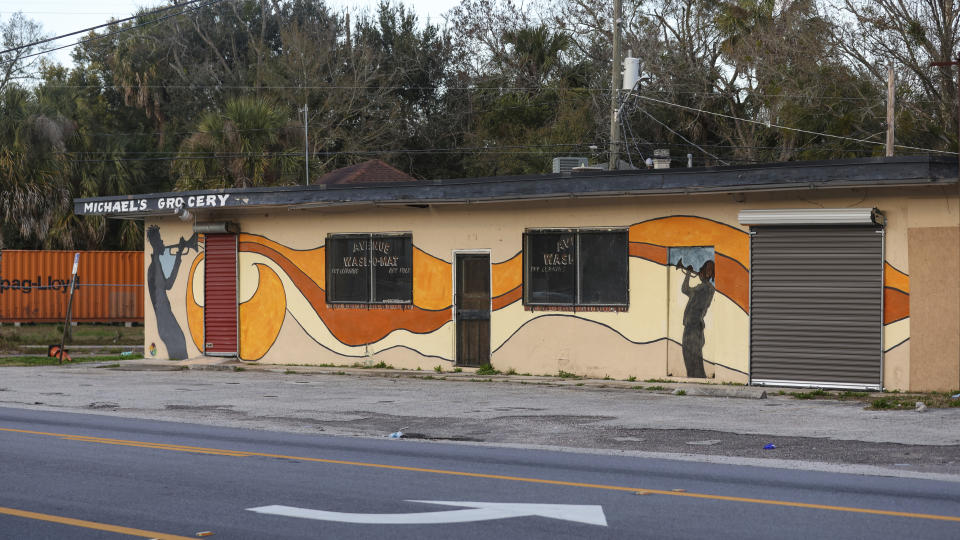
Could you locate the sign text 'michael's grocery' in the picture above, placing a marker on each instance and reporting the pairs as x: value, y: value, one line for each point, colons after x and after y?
x: 162, y: 203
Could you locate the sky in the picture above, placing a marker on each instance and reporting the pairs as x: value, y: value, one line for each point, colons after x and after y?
x: 64, y: 16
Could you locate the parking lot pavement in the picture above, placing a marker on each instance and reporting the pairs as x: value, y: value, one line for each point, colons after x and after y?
x: 579, y: 415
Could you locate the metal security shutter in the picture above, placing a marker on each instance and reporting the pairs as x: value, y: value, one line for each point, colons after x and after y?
x: 816, y: 306
x: 220, y: 295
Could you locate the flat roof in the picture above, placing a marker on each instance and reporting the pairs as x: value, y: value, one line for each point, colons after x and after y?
x: 844, y: 173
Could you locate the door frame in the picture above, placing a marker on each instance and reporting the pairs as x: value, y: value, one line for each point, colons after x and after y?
x: 453, y: 301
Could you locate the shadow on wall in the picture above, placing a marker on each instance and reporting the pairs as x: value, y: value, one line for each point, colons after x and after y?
x: 161, y: 275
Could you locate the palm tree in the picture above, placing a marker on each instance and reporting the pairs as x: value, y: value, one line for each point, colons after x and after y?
x: 251, y: 143
x: 33, y: 167
x: 536, y: 53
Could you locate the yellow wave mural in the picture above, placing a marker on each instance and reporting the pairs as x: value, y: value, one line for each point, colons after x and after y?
x: 262, y: 315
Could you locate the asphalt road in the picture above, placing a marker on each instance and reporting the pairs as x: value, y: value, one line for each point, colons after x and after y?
x: 78, y: 475
x: 813, y: 434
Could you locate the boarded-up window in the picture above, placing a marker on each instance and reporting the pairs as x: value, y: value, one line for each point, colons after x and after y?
x: 570, y: 267
x: 369, y: 268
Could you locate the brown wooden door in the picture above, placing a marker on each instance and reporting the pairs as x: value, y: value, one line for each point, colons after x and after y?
x: 220, y: 295
x: 473, y: 309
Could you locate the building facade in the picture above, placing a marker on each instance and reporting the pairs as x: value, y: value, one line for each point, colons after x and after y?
x: 834, y: 274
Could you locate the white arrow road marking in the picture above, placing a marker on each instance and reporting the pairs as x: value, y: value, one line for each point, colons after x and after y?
x: 478, y: 511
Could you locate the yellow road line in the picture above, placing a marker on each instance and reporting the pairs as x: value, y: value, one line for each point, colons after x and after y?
x: 238, y: 453
x: 90, y: 524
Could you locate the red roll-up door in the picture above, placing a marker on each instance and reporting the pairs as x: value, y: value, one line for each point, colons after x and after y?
x: 220, y: 295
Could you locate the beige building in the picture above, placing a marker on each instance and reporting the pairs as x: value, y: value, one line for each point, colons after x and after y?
x: 833, y: 274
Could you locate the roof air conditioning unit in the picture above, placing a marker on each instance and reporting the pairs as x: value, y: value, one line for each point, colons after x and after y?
x: 565, y: 165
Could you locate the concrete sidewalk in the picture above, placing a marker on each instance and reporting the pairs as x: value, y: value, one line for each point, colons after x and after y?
x: 545, y: 412
x: 207, y: 363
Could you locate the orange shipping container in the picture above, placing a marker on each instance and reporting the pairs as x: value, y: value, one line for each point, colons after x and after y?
x: 34, y: 286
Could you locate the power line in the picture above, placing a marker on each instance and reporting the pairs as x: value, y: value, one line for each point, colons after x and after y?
x: 777, y: 126
x: 797, y: 97
x: 120, y: 31
x: 92, y: 28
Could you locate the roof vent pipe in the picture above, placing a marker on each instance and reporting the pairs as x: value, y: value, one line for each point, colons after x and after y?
x: 216, y: 227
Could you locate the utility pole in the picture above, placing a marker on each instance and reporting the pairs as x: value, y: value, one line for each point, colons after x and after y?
x: 890, y: 116
x: 306, y: 147
x: 615, y: 88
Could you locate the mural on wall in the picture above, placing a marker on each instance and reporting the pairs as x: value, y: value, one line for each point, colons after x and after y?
x: 896, y: 307
x: 695, y: 262
x: 161, y: 275
x: 279, y: 283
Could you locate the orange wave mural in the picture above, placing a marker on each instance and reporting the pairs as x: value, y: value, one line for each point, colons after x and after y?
x: 262, y: 315
x: 681, y: 231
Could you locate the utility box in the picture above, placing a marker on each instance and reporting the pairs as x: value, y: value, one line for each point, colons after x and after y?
x: 661, y: 158
x: 565, y: 165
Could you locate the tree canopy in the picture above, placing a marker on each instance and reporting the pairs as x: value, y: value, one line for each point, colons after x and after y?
x: 213, y: 94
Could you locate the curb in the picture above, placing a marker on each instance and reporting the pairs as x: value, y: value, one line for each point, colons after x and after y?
x: 690, y: 389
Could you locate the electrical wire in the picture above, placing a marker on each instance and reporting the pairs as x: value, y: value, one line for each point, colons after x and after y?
x: 120, y: 31
x: 92, y: 28
x: 777, y: 126
x: 668, y: 128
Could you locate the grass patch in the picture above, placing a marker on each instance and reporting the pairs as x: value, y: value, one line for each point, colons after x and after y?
x: 631, y: 378
x: 438, y: 368
x: 579, y: 384
x: 894, y: 400
x: 885, y: 403
x: 487, y: 369
x: 567, y: 375
x: 22, y: 361
x: 510, y: 371
x: 933, y: 400
x: 239, y: 368
x: 458, y: 370
x: 657, y: 380
x: 681, y: 393
x: 636, y: 387
x: 656, y: 388
x: 82, y: 334
x: 427, y: 377
x: 818, y: 393
x: 379, y: 365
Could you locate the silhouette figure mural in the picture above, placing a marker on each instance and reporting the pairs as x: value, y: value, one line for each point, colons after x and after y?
x: 161, y: 275
x: 695, y: 262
